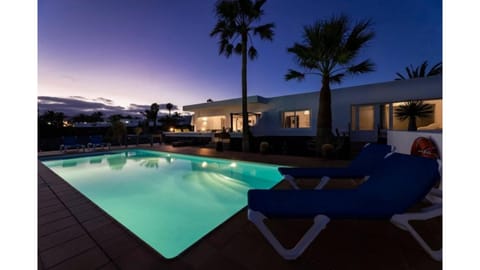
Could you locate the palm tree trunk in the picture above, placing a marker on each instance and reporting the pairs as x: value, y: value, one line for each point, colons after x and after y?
x: 412, y: 123
x: 154, y: 124
x: 324, y: 116
x: 245, y: 136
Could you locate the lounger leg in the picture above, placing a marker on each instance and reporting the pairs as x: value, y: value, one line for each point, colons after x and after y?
x: 323, y: 182
x: 434, y: 196
x: 320, y: 222
x: 291, y: 180
x: 401, y: 221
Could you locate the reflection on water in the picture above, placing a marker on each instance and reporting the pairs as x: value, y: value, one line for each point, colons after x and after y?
x: 216, y: 184
x: 117, y: 162
x: 219, y: 178
x: 149, y: 163
x: 96, y: 160
x: 69, y: 163
x: 169, y: 158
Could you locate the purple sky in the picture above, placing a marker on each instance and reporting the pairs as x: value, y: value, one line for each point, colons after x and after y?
x: 124, y: 53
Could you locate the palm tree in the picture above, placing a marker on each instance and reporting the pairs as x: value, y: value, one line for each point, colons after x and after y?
x: 115, y: 117
x: 328, y: 50
x: 420, y: 71
x: 117, y: 131
x: 169, y: 108
x: 52, y: 118
x: 236, y: 25
x: 81, y: 117
x: 152, y: 114
x: 96, y: 117
x: 411, y: 110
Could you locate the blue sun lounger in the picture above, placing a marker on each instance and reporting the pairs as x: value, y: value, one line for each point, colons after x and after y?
x: 97, y: 141
x: 361, y: 167
x: 397, y: 184
x: 69, y: 142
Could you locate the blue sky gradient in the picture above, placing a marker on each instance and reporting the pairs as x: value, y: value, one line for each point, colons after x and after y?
x: 140, y: 52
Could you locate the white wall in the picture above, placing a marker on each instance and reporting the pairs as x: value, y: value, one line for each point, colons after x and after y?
x: 270, y: 123
x: 216, y: 110
x: 343, y: 99
x: 403, y: 140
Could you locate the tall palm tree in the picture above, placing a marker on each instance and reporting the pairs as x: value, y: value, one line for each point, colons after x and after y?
x: 328, y: 50
x: 420, y: 71
x: 169, y: 108
x: 152, y: 114
x: 235, y: 27
x: 411, y: 110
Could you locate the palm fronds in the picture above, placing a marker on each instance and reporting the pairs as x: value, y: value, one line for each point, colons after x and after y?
x: 420, y: 71
x: 413, y: 108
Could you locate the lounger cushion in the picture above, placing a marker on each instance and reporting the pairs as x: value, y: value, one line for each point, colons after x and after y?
x: 401, y: 181
x: 369, y: 158
x: 396, y: 185
x: 320, y: 172
x: 363, y: 165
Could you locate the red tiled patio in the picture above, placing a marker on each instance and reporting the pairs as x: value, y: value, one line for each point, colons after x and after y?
x: 75, y: 234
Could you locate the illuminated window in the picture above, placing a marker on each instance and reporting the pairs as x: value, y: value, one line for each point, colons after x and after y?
x: 366, y: 117
x: 431, y: 122
x: 237, y: 121
x: 296, y: 119
x: 210, y: 123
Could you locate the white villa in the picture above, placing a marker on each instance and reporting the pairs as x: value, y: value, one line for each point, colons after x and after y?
x: 360, y: 110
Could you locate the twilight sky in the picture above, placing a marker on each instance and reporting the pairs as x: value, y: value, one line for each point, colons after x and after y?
x: 126, y: 54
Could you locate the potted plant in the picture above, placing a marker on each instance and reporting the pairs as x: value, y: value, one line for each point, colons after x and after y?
x: 411, y: 110
x: 264, y: 147
x: 327, y: 150
x: 221, y: 138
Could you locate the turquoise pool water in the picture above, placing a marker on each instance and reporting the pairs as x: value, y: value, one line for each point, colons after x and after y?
x: 168, y: 200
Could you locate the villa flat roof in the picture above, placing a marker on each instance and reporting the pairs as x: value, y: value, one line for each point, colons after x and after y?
x: 226, y: 102
x: 418, y: 82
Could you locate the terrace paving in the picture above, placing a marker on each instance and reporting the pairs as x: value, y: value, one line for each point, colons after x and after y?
x: 73, y: 233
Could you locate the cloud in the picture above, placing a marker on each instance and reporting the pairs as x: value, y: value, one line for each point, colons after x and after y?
x: 79, y: 97
x: 163, y: 107
x: 104, y: 100
x: 136, y: 107
x: 75, y: 105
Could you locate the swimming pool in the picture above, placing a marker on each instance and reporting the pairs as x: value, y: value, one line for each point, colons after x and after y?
x: 168, y: 200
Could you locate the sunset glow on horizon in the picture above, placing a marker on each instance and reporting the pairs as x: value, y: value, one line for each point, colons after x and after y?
x: 140, y: 52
